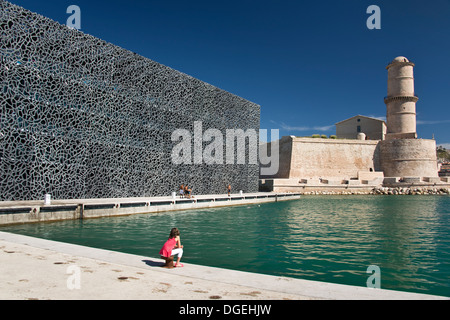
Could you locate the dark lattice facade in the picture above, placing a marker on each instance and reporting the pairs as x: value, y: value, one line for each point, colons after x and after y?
x: 82, y: 118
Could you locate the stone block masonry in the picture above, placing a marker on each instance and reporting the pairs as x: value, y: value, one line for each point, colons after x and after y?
x: 401, y: 158
x: 331, y: 159
x: 408, y: 158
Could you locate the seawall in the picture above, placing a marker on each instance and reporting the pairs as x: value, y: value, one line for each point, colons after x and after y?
x: 384, y: 191
x: 380, y: 185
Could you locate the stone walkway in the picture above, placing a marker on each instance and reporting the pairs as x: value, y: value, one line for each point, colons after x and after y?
x: 32, y: 268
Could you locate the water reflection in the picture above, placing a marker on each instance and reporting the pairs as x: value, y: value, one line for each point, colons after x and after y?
x: 405, y: 231
x: 328, y: 238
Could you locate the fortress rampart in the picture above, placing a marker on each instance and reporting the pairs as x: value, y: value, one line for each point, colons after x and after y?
x: 408, y: 158
x: 315, y: 158
x: 329, y: 165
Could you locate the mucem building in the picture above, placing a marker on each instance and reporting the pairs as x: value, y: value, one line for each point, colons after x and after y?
x: 82, y: 118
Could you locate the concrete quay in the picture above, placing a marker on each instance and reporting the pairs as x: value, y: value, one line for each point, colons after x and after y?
x: 38, y: 269
x: 15, y: 212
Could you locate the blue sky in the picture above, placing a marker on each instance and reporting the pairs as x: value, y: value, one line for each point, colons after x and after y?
x: 307, y: 64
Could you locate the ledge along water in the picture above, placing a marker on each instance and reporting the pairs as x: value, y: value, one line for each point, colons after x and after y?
x: 16, y: 212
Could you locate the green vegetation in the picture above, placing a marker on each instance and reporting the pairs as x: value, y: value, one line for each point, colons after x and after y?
x: 323, y: 136
x: 442, y: 154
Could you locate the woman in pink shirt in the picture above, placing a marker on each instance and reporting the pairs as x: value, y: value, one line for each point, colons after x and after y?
x: 173, y: 247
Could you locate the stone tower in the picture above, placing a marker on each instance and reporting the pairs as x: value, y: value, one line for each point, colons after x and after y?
x: 401, y: 101
x: 401, y: 154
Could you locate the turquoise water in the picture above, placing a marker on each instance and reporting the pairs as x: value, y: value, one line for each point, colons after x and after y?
x: 323, y: 238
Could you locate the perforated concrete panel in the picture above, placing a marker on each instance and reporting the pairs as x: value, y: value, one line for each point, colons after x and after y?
x: 82, y: 118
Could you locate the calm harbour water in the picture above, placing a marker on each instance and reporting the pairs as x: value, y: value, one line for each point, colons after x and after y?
x: 322, y: 238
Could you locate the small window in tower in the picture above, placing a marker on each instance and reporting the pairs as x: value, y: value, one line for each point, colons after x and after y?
x: 359, y: 120
x: 358, y: 128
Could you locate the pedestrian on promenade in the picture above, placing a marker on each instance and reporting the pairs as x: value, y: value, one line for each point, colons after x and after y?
x: 229, y: 189
x: 173, y: 247
x: 187, y: 192
x: 181, y: 191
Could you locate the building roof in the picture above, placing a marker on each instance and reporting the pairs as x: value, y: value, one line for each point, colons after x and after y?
x: 360, y: 116
x: 400, y: 59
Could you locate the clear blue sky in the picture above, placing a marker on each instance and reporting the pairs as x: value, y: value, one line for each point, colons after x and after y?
x: 308, y: 64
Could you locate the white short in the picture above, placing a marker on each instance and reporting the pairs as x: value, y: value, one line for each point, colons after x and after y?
x: 177, y: 252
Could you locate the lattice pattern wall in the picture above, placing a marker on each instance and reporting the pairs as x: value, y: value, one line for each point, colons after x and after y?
x: 82, y: 118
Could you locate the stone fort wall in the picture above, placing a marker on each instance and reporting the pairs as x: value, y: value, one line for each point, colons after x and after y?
x: 314, y: 158
x: 341, y: 159
x: 408, y: 158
